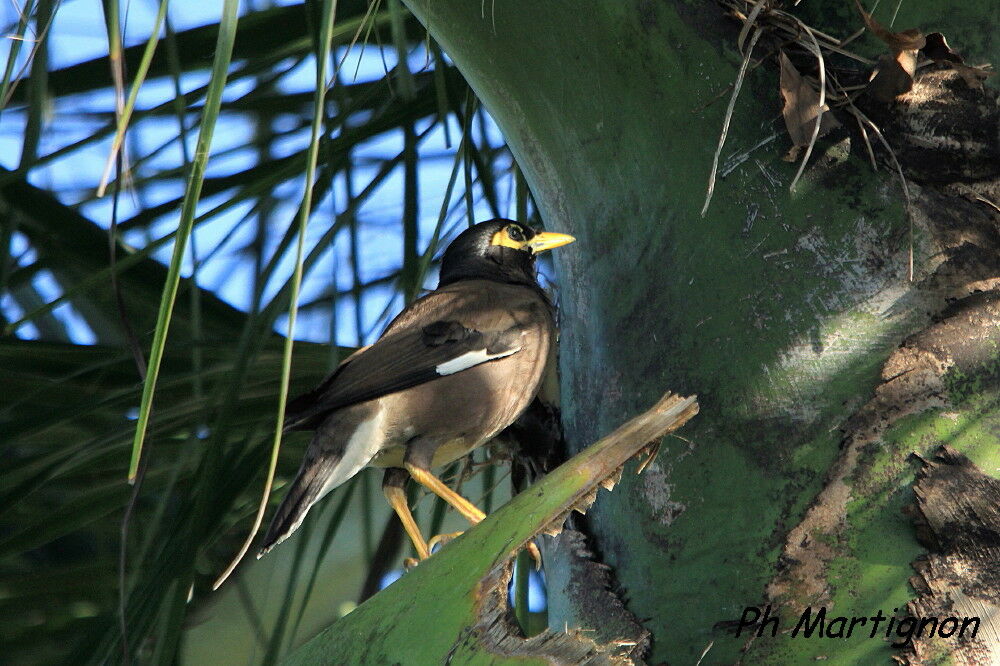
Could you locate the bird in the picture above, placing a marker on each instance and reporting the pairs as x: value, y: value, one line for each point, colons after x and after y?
x: 450, y: 372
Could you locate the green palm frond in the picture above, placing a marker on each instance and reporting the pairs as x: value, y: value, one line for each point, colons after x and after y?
x: 68, y: 415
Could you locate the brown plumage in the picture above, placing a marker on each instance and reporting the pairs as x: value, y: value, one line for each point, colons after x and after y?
x: 450, y: 372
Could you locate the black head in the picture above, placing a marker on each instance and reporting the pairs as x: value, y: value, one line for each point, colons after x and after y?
x: 500, y: 250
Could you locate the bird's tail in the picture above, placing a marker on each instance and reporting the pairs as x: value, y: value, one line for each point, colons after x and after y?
x: 311, y: 483
x: 329, y: 462
x: 304, y: 492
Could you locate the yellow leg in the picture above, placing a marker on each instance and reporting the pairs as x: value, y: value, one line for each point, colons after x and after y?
x: 462, y: 505
x: 438, y: 487
x: 397, y: 500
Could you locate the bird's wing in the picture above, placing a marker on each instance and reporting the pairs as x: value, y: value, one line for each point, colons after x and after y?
x: 437, y: 336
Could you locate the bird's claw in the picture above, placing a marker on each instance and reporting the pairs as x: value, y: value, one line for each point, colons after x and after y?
x: 409, y: 563
x: 536, y: 554
x: 441, y: 539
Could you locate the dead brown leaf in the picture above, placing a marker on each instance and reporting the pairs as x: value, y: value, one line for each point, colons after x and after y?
x: 893, y: 76
x: 907, y: 40
x: 938, y: 50
x: 801, y: 107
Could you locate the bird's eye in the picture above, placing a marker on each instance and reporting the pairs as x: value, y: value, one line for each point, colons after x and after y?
x: 515, y: 233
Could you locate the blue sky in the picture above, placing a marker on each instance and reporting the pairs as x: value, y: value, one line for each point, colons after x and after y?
x: 78, y: 35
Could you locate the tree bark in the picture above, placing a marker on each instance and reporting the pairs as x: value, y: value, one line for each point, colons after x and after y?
x: 783, y: 312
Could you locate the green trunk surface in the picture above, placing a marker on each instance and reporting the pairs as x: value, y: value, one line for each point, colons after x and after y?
x: 777, y: 309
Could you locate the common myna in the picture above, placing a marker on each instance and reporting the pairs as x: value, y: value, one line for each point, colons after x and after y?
x: 449, y: 373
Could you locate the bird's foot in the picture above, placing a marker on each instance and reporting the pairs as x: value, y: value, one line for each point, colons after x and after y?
x: 409, y: 563
x: 441, y: 539
x: 536, y: 554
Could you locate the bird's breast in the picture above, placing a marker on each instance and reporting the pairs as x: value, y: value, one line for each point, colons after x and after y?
x: 454, y: 414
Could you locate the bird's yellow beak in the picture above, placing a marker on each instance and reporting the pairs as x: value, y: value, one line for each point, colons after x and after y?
x: 548, y: 240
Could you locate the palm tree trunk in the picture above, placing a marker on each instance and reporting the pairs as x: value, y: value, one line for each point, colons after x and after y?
x: 819, y: 364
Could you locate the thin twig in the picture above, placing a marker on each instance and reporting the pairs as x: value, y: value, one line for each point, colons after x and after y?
x: 704, y: 652
x: 748, y: 23
x: 854, y: 35
x: 819, y: 106
x: 868, y: 143
x: 849, y: 102
x: 739, y: 159
x: 902, y: 179
x: 729, y: 116
x: 984, y: 200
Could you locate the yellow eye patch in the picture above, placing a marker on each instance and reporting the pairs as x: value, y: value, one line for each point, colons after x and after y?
x: 510, y: 236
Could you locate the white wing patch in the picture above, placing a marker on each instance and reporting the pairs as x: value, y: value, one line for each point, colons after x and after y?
x: 471, y: 359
